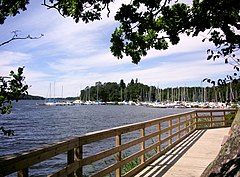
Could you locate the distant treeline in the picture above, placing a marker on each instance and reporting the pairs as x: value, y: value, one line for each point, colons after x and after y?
x: 31, y: 97
x: 136, y: 91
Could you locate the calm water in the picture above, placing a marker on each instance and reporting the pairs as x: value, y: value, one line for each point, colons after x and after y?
x: 36, y: 125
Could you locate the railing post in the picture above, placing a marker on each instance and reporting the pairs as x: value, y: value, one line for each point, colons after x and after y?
x: 79, y: 156
x: 179, y: 128
x: 70, y: 159
x: 142, y: 132
x: 211, y: 119
x: 195, y: 120
x: 224, y: 114
x: 159, y: 137
x: 185, y: 125
x: 23, y: 173
x: 118, y: 155
x: 196, y: 117
x: 170, y: 132
x: 193, y: 123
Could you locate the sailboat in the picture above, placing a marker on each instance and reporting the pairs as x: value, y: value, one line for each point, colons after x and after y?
x: 50, y: 101
x: 78, y: 102
x: 53, y: 102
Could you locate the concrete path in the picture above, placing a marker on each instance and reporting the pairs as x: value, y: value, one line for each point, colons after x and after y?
x: 190, y: 157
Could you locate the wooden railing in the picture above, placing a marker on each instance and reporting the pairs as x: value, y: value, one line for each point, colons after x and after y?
x: 140, y: 142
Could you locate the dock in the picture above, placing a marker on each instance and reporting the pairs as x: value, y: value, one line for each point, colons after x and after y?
x: 177, y: 145
x: 190, y: 157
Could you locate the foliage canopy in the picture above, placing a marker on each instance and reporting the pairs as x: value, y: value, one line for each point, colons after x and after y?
x: 147, y: 24
x: 11, y: 8
x: 157, y: 23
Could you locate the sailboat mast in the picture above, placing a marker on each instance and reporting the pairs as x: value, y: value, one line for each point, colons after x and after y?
x: 231, y: 92
x: 50, y: 91
x: 54, y: 90
x: 62, y: 91
x: 150, y: 91
x: 89, y: 95
x: 97, y: 92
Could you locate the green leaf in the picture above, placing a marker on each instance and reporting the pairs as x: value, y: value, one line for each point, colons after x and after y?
x: 209, y: 57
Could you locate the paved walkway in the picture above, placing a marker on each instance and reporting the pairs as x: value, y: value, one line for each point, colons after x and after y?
x: 190, y: 157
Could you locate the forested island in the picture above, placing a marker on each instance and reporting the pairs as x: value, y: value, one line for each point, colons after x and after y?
x: 136, y: 91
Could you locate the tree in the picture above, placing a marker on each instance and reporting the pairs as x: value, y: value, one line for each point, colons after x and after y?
x: 122, y: 85
x: 131, y: 82
x: 11, y: 88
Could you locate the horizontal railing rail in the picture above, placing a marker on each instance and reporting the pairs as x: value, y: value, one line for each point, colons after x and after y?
x: 211, y: 118
x: 141, y: 143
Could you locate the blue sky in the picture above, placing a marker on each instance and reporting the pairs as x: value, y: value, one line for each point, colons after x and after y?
x: 74, y: 56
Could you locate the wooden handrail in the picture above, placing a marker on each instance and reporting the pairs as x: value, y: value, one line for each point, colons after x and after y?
x: 167, y: 132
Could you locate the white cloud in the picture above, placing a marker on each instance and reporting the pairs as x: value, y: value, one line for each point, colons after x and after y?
x: 98, y: 61
x: 12, y: 60
x: 187, y: 44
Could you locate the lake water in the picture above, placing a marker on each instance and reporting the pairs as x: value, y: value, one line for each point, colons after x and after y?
x: 36, y: 125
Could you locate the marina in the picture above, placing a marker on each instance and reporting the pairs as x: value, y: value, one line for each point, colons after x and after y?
x: 175, y: 104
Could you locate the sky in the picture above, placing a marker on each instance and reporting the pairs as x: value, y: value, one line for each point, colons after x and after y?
x: 72, y: 56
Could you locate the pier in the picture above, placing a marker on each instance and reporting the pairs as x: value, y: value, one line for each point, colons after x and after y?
x: 155, y: 146
x: 190, y: 157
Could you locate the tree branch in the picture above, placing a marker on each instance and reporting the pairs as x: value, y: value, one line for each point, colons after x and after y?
x: 15, y: 37
x: 52, y: 7
x: 160, y: 9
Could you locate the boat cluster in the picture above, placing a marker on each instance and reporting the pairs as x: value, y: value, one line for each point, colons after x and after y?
x: 58, y: 103
x: 183, y: 104
x: 175, y: 104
